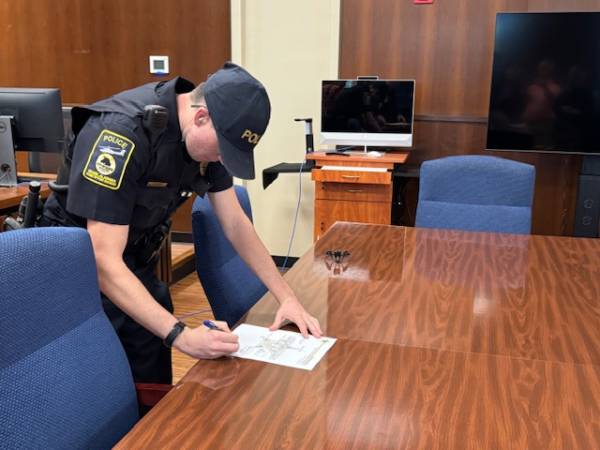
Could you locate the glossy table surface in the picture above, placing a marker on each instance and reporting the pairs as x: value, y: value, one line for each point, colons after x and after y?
x: 446, y: 339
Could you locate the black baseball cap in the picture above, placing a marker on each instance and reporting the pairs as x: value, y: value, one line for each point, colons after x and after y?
x: 239, y: 108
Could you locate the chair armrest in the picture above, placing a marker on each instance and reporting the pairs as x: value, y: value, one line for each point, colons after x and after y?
x: 150, y: 394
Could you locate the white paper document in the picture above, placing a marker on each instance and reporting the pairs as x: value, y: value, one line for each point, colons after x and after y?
x: 281, y: 347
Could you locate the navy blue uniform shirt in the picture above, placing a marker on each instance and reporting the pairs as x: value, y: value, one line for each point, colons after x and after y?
x: 116, y: 176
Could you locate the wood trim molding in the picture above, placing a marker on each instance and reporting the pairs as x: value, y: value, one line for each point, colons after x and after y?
x: 458, y: 119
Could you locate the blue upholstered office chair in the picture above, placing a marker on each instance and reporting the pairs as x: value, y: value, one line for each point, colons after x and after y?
x: 476, y: 193
x: 230, y: 286
x: 64, y: 378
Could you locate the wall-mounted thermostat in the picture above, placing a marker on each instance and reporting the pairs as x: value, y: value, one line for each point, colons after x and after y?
x: 159, y: 65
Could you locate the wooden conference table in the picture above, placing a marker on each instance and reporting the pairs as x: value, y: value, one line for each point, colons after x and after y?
x: 446, y: 340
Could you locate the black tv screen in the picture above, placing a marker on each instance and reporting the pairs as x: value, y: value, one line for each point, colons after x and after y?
x: 367, y: 112
x: 545, y: 94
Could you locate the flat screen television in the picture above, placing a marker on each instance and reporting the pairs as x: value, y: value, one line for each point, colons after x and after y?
x: 545, y: 93
x: 367, y: 112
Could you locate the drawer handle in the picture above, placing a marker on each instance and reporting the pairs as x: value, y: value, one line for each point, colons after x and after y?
x: 354, y: 190
x: 353, y: 177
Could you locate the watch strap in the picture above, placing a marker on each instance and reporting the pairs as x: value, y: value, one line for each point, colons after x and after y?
x: 176, y: 331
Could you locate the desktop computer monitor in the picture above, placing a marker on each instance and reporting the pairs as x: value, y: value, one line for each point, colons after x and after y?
x: 367, y: 112
x: 31, y: 119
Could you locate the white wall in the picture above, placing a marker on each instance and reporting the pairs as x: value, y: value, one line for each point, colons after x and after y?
x: 290, y: 46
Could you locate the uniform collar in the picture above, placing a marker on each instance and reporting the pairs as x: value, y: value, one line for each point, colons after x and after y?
x: 167, y: 91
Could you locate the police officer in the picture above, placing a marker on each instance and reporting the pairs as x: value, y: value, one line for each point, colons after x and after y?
x: 126, y: 176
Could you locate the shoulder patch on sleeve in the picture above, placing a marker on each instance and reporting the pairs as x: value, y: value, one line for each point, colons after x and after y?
x: 108, y: 160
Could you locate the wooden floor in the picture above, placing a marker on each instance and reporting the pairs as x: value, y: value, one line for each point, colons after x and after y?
x: 179, y: 249
x: 191, y: 307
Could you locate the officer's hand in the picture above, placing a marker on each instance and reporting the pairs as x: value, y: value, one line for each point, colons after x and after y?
x: 203, y: 343
x: 292, y: 310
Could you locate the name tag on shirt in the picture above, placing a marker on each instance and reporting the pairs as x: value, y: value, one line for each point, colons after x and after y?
x: 159, y: 184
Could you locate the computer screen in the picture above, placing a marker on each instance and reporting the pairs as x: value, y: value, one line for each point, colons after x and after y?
x: 545, y: 91
x: 37, y: 119
x: 31, y: 119
x: 367, y: 112
x: 46, y: 162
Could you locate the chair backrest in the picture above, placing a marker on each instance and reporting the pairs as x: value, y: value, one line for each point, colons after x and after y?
x: 64, y: 378
x: 230, y: 285
x: 476, y: 193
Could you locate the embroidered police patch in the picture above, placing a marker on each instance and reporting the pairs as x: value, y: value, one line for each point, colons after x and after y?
x: 108, y: 160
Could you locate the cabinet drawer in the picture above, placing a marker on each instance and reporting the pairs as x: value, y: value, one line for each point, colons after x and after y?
x: 358, y: 193
x: 352, y: 176
x: 327, y: 212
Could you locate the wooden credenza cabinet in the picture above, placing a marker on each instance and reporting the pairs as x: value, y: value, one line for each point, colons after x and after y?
x: 359, y: 191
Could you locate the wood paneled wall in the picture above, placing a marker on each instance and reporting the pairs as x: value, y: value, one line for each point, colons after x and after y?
x: 94, y: 48
x: 447, y: 47
x: 91, y: 49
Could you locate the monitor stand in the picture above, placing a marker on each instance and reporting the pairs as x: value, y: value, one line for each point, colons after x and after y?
x: 8, y: 165
x: 351, y: 148
x: 587, y: 208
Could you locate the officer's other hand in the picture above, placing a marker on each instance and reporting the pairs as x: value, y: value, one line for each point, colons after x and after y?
x: 203, y: 343
x: 291, y: 309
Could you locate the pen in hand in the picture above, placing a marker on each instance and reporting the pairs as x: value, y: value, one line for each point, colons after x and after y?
x: 211, y: 326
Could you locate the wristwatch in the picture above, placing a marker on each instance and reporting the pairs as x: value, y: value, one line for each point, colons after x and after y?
x: 176, y: 331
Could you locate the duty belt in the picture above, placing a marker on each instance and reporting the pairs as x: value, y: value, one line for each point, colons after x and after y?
x: 144, y: 250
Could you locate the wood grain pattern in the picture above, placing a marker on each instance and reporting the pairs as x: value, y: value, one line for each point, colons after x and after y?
x: 21, y: 160
x: 341, y: 191
x: 387, y: 159
x: 11, y: 196
x: 38, y: 175
x: 92, y: 49
x: 351, y: 176
x: 562, y: 5
x: 526, y: 296
x: 447, y: 48
x: 446, y: 340
x: 366, y: 197
x: 328, y: 212
x: 182, y: 219
x: 375, y: 396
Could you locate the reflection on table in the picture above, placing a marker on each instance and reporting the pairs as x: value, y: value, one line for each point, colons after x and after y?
x: 446, y: 339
